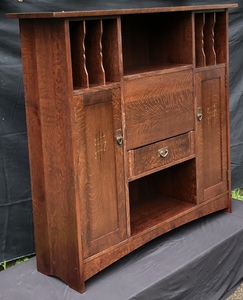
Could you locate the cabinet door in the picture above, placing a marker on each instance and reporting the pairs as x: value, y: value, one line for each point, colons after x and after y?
x: 101, y: 178
x: 212, y: 138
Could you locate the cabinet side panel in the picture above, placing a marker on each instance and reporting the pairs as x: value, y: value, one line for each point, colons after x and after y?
x: 52, y: 149
x: 32, y: 106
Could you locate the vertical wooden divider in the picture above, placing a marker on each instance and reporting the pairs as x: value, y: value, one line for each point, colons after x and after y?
x: 110, y: 50
x: 210, y: 54
x: 77, y: 38
x: 220, y: 38
x: 199, y: 35
x: 94, y: 57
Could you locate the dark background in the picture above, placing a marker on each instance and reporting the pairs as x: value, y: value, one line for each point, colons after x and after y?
x: 16, y: 222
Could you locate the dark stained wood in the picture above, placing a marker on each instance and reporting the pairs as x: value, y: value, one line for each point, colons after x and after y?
x: 210, y: 19
x: 95, y: 264
x: 199, y: 39
x: 148, y: 159
x: 180, y: 36
x: 88, y: 13
x: 141, y: 71
x: 151, y: 41
x: 94, y: 89
x: 173, y: 182
x: 93, y: 50
x: 152, y: 212
x: 96, y: 97
x: 110, y: 50
x: 224, y: 17
x: 50, y: 119
x: 101, y: 172
x: 158, y: 107
x: 78, y: 55
x: 212, y: 150
x: 135, y: 46
x: 220, y: 37
x: 210, y: 38
x: 32, y: 105
x: 128, y: 129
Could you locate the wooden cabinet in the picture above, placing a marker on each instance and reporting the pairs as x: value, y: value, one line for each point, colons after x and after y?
x: 128, y: 129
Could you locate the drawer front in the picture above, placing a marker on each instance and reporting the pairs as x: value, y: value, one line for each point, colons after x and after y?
x: 158, y: 107
x: 162, y: 154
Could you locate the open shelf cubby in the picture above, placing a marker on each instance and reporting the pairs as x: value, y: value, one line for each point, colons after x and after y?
x: 94, y: 52
x: 161, y: 196
x: 154, y: 41
x: 210, y: 38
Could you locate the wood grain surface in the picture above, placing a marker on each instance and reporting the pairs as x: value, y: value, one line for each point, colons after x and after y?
x: 128, y: 129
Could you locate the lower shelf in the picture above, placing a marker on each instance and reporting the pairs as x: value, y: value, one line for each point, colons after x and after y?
x: 148, y: 214
x: 161, y: 196
x: 175, y: 214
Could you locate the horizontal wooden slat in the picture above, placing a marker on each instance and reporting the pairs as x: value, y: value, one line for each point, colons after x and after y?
x: 97, y: 97
x: 110, y: 12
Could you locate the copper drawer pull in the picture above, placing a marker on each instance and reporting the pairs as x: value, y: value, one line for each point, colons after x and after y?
x: 119, y: 137
x: 163, y: 152
x: 199, y: 114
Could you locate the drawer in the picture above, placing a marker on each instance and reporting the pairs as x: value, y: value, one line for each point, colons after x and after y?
x: 158, y: 107
x: 160, y: 155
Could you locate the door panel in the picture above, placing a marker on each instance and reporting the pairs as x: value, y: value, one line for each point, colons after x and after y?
x: 211, y: 133
x: 101, y: 171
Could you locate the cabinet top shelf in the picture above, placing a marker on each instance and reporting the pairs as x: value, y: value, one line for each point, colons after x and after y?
x: 115, y: 12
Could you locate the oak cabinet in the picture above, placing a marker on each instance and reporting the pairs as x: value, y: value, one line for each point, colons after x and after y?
x: 128, y: 129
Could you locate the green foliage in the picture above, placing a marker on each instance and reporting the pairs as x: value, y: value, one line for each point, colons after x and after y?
x: 5, y: 264
x: 237, y: 194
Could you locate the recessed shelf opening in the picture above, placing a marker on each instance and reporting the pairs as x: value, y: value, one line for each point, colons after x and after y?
x: 161, y: 196
x: 94, y: 52
x: 210, y: 38
x: 152, y: 41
